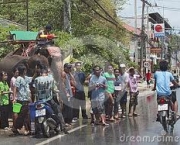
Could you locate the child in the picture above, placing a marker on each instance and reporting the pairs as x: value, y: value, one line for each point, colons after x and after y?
x: 133, y: 91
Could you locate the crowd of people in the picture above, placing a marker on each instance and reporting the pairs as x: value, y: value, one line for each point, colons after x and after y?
x: 107, y: 91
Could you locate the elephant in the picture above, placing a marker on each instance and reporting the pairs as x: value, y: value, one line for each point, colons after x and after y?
x: 48, y: 55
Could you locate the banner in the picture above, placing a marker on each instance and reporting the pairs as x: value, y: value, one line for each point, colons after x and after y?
x: 159, y: 30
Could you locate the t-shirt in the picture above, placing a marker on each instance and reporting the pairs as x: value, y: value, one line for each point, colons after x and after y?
x: 163, y: 80
x: 148, y: 76
x: 133, y: 85
x: 12, y: 85
x: 23, y: 91
x: 44, y: 86
x: 4, y: 99
x: 124, y: 78
x: 110, y: 82
x: 80, y: 79
x: 97, y: 93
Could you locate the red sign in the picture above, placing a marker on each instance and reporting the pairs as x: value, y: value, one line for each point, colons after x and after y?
x: 158, y: 28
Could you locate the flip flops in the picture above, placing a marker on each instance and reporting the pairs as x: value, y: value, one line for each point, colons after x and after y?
x: 135, y: 114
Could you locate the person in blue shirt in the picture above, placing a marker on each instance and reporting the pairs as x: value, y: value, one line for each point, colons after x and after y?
x: 163, y: 79
x: 79, y: 97
x: 98, y: 85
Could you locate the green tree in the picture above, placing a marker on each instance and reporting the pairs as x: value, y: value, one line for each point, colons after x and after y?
x: 89, y: 18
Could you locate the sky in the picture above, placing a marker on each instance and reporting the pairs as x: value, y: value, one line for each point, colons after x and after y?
x: 169, y: 8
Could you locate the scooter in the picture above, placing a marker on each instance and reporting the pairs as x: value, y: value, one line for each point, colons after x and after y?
x: 43, y: 119
x: 166, y: 116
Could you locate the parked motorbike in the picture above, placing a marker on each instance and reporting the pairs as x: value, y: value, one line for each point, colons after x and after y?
x: 166, y: 116
x: 43, y: 119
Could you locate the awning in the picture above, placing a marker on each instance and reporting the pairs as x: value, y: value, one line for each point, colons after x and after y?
x: 23, y: 35
x: 156, y: 18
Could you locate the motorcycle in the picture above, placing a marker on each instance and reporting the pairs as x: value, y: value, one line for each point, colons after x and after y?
x: 43, y: 119
x: 166, y: 116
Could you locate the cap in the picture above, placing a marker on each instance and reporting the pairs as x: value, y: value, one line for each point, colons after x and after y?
x: 122, y: 65
x: 48, y: 27
x: 67, y: 65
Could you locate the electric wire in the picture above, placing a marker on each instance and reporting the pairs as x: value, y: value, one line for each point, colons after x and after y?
x: 117, y: 25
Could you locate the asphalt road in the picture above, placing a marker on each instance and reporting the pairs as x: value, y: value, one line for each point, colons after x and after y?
x: 141, y: 130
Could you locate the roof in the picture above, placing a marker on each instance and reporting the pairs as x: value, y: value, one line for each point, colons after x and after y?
x: 131, y: 29
x: 157, y: 18
x: 23, y: 35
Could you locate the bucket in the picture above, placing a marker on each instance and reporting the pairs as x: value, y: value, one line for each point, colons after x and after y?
x: 16, y: 107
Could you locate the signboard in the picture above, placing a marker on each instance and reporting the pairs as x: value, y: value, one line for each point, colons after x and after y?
x: 155, y: 50
x: 146, y: 64
x: 159, y: 30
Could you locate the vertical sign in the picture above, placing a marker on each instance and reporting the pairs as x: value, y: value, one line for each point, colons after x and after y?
x: 159, y: 30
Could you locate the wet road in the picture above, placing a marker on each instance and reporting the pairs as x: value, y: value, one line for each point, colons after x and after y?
x: 139, y: 130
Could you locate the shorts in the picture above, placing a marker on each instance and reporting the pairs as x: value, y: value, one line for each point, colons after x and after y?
x: 134, y: 98
x: 148, y: 82
x: 97, y: 106
x: 124, y: 98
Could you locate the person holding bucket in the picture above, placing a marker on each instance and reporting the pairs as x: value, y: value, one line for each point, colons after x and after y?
x: 22, y: 92
x: 4, y: 101
x: 12, y: 97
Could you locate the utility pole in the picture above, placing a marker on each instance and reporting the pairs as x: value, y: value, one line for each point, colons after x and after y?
x: 147, y: 46
x: 67, y: 16
x: 163, y: 46
x: 143, y: 36
x: 135, y: 24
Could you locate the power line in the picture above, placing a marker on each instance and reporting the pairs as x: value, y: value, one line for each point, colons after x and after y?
x: 116, y: 24
x: 105, y: 11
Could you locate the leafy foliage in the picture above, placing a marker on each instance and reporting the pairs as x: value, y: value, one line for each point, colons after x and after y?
x: 95, y: 27
x: 5, y: 47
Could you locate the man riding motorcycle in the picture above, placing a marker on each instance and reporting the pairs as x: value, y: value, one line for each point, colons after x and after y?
x: 163, y: 78
x: 48, y: 96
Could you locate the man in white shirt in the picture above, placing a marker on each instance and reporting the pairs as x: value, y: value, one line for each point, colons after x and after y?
x: 123, y: 78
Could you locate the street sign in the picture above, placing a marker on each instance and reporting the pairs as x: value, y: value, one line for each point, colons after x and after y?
x: 159, y: 30
x: 146, y: 64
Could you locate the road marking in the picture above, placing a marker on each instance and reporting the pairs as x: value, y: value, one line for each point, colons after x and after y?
x: 59, y: 136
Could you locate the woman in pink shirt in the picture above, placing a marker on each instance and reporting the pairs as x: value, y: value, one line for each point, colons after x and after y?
x: 133, y: 91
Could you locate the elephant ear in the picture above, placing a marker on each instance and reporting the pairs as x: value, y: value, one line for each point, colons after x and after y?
x: 9, y: 62
x: 54, y: 51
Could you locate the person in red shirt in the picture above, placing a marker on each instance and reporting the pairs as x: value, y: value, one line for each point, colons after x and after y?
x: 148, y: 78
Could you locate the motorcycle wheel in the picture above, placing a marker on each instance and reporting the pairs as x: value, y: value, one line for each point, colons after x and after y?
x: 58, y: 129
x: 165, y: 123
x: 46, y: 129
